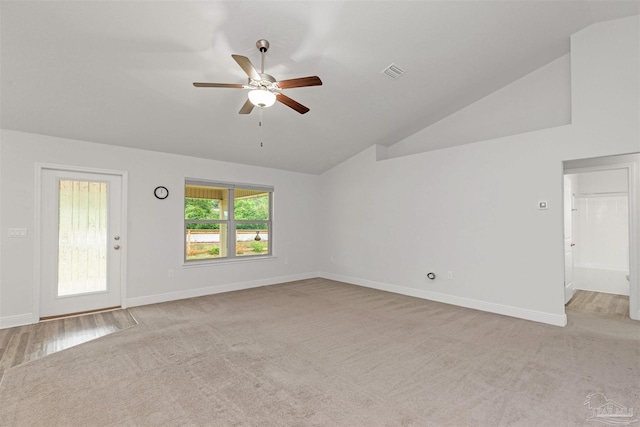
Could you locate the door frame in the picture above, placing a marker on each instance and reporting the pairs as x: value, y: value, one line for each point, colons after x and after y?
x: 37, y: 203
x: 569, y: 289
x: 634, y: 225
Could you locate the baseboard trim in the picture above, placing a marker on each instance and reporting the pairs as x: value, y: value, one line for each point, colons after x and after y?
x: 506, y: 310
x: 210, y: 290
x: 17, y: 320
x: 569, y: 292
x: 521, y: 313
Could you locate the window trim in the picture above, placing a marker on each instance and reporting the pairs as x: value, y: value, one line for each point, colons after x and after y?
x: 230, y: 222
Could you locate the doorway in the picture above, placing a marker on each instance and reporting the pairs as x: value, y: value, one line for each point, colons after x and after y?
x: 600, y: 223
x: 81, y: 238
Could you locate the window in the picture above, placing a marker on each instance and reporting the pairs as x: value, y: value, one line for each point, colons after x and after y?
x: 225, y: 221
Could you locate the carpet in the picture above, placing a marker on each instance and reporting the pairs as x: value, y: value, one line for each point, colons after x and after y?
x: 30, y: 342
x: 323, y: 353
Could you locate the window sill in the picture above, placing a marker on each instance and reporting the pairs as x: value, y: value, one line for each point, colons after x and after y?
x: 213, y: 262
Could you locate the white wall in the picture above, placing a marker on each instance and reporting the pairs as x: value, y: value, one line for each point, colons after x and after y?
x: 472, y: 209
x: 601, y: 231
x: 155, y: 228
x: 539, y: 100
x: 609, y: 181
x: 604, y: 82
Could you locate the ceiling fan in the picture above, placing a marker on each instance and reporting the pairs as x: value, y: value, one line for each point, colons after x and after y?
x: 265, y: 90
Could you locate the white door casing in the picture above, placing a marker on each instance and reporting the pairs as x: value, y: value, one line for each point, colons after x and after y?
x: 568, y: 239
x: 55, y: 302
x: 633, y: 171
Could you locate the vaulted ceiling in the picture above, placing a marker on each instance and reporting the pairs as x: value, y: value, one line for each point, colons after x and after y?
x: 121, y: 72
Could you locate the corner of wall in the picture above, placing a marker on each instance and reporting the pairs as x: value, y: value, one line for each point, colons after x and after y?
x: 505, y: 310
x: 604, y: 76
x: 382, y: 152
x: 211, y: 290
x: 536, y: 101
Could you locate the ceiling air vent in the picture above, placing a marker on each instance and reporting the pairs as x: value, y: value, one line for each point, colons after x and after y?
x: 393, y: 71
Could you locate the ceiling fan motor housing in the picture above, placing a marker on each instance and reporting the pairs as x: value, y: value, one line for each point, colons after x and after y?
x: 262, y: 45
x: 267, y: 77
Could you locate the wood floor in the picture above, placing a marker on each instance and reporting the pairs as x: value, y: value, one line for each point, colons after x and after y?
x: 599, y: 303
x: 26, y: 343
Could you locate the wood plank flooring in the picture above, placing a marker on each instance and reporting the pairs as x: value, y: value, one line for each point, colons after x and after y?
x: 599, y: 303
x: 26, y: 343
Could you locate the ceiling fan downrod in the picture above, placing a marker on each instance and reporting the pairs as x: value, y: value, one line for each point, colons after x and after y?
x: 263, y: 47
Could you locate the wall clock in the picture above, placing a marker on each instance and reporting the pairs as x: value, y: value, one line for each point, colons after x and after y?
x: 161, y: 192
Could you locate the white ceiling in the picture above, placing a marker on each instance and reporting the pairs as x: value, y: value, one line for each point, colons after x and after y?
x: 121, y: 72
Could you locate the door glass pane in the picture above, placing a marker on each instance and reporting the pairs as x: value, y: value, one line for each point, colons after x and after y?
x: 82, y: 237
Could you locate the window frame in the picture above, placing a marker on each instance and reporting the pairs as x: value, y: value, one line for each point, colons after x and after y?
x: 230, y: 222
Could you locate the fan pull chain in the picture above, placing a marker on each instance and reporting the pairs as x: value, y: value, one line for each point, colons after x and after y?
x: 260, y: 126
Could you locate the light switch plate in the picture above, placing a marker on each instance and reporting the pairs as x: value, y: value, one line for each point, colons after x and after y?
x: 17, y: 232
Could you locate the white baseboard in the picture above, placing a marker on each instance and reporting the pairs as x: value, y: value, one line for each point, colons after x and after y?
x: 608, y: 281
x: 521, y: 313
x: 18, y: 320
x: 537, y: 316
x: 569, y: 291
x: 210, y: 290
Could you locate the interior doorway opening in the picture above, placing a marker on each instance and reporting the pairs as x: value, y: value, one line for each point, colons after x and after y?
x: 601, y: 217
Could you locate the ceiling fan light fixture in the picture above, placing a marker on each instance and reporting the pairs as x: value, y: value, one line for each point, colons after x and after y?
x: 262, y: 98
x: 265, y: 90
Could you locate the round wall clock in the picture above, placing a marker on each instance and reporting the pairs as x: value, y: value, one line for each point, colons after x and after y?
x: 161, y: 192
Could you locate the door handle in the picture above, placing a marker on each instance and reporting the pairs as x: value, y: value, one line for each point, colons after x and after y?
x: 116, y: 238
x: 116, y: 247
x: 573, y: 244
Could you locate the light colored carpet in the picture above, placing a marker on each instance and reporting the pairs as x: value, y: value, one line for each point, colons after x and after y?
x: 323, y: 353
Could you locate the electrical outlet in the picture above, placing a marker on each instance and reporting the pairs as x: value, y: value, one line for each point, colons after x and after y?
x: 449, y: 275
x: 170, y: 272
x: 286, y: 260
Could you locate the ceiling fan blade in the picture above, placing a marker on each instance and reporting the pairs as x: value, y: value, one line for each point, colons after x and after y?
x: 231, y: 85
x: 247, y: 66
x: 300, y: 82
x: 291, y: 103
x: 246, y: 108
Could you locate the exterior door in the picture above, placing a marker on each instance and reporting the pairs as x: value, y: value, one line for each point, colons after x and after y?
x: 80, y: 248
x: 568, y: 239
